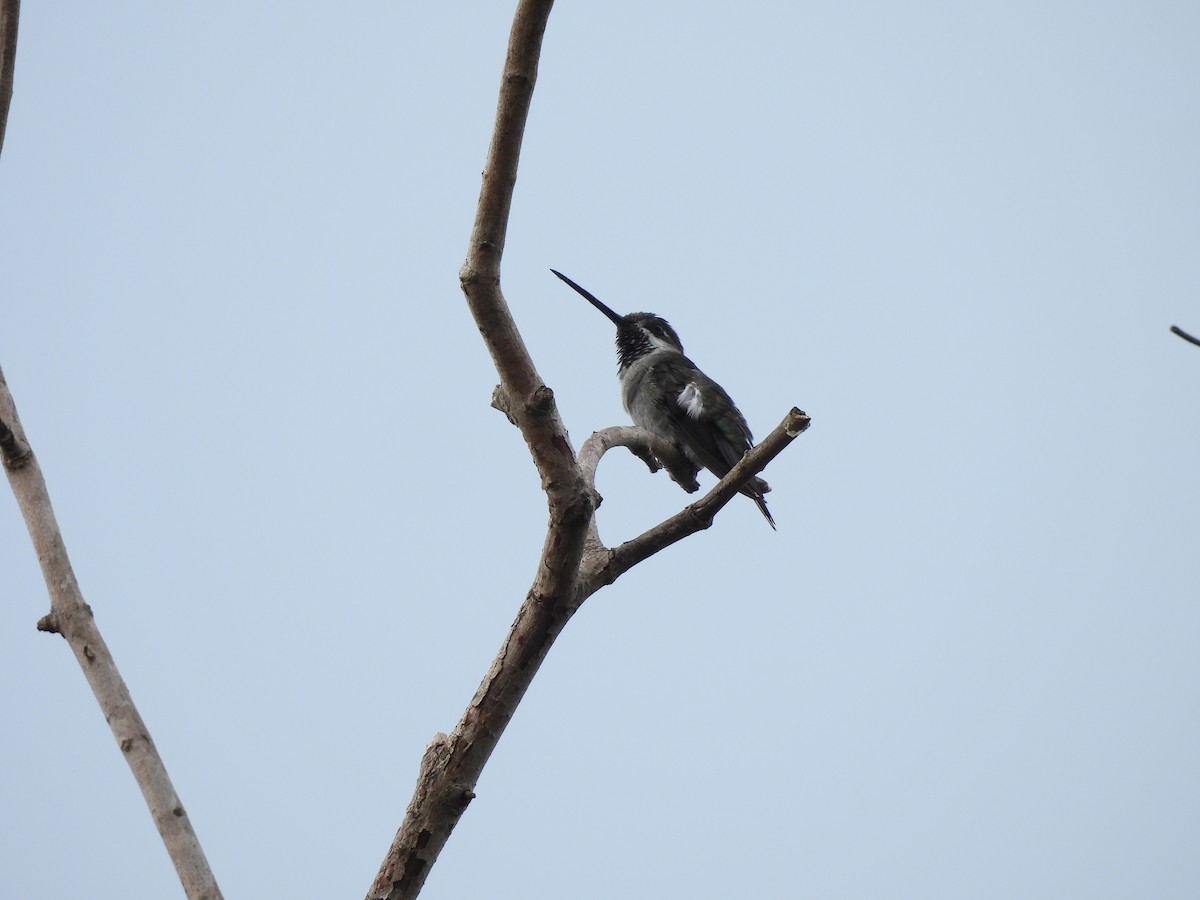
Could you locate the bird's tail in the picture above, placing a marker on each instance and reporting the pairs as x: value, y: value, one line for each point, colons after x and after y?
x: 755, y: 490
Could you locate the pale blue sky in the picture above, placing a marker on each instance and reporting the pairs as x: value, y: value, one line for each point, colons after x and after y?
x: 955, y: 234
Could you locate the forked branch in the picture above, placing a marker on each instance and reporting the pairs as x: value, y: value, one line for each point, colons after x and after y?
x: 451, y: 765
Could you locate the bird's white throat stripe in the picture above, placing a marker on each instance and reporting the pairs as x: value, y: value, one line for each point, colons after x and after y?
x: 659, y: 343
x: 689, y: 399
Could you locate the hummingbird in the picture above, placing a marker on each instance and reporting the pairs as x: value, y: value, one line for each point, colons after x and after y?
x: 664, y: 392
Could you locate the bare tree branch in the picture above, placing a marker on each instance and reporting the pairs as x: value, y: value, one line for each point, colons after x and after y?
x: 1175, y: 329
x: 71, y: 617
x: 451, y: 765
x: 10, y: 14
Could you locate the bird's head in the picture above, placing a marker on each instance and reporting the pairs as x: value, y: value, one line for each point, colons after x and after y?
x: 638, y: 333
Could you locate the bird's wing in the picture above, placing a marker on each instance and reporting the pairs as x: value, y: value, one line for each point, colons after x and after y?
x: 718, y: 437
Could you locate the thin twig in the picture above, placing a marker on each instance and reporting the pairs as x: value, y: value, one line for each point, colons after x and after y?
x: 1175, y: 329
x: 71, y: 617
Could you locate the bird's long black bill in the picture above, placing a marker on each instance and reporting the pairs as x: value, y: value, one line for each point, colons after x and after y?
x: 591, y: 298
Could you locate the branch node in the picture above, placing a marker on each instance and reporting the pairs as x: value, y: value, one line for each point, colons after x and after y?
x: 49, y: 624
x: 461, y: 798
x: 15, y: 451
x: 469, y: 275
x: 541, y: 401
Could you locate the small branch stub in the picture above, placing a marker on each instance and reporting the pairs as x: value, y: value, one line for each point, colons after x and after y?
x: 15, y: 451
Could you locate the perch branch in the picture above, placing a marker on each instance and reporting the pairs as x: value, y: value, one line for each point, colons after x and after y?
x: 654, y: 451
x: 603, y: 566
x: 72, y: 618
